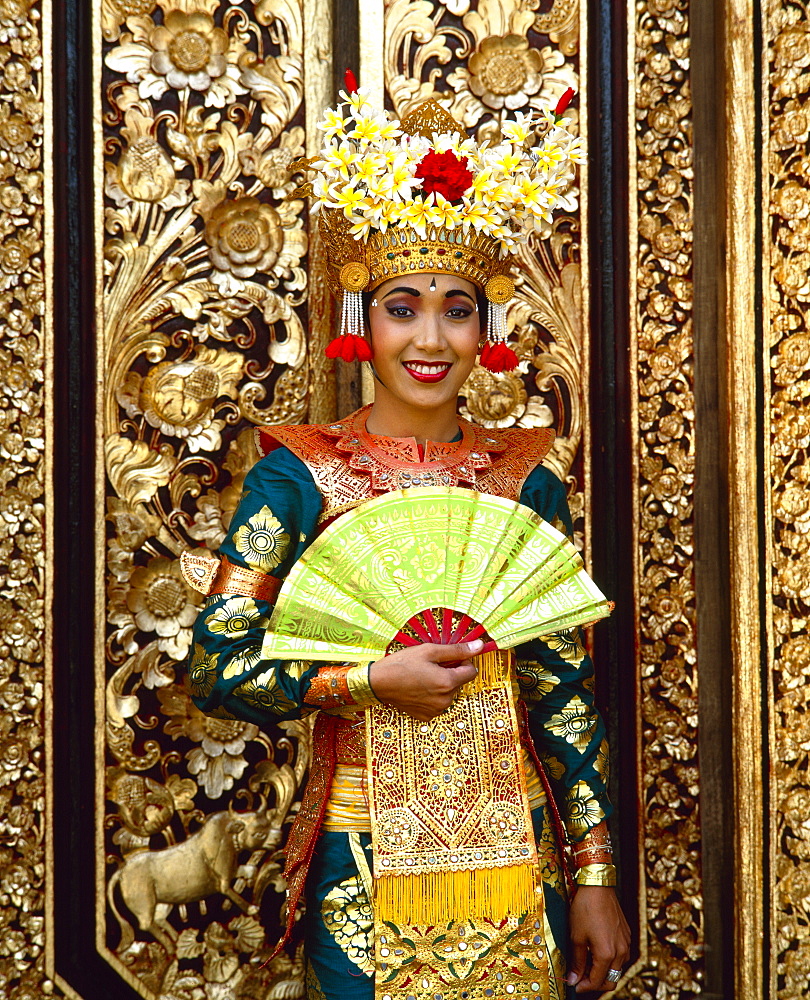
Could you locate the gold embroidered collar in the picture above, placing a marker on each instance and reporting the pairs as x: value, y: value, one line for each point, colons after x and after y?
x: 394, y: 463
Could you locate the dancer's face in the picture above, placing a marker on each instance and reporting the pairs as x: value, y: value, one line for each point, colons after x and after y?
x: 424, y: 330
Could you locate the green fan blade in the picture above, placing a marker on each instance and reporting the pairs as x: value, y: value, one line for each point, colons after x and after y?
x: 380, y: 564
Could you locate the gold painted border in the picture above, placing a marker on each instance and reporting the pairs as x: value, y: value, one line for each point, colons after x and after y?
x: 743, y: 363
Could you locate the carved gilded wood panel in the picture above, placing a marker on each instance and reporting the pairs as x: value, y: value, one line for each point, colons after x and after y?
x: 26, y: 370
x: 663, y: 435
x: 208, y: 327
x: 786, y: 369
x: 206, y: 333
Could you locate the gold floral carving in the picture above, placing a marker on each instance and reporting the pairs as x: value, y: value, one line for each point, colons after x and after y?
x: 786, y: 238
x: 483, y: 61
x: 204, y: 334
x: 661, y: 371
x: 23, y: 357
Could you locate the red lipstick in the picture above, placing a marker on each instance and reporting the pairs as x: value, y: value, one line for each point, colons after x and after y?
x: 427, y: 371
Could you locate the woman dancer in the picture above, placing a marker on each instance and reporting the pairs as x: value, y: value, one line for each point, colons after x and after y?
x: 419, y: 224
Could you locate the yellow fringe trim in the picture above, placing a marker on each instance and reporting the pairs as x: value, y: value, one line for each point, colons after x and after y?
x: 493, y: 670
x: 440, y: 897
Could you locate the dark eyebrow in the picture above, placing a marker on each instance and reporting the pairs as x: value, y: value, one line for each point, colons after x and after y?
x: 408, y: 291
x: 459, y: 291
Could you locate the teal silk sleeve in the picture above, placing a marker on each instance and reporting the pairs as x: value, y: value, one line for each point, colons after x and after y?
x: 275, y: 521
x: 555, y: 675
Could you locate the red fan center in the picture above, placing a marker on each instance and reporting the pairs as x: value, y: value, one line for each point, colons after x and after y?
x: 442, y: 626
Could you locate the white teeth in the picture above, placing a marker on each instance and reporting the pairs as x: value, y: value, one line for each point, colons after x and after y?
x: 432, y: 369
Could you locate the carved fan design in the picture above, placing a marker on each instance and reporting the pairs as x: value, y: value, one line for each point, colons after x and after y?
x: 430, y: 565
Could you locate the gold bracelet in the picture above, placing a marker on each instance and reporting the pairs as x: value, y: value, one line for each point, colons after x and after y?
x: 601, y: 874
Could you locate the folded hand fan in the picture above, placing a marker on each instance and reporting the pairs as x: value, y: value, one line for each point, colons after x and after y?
x: 430, y: 565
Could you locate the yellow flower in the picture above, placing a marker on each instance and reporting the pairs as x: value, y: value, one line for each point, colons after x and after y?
x: 584, y: 811
x: 419, y: 215
x: 368, y: 129
x: 360, y: 230
x: 508, y: 162
x: 348, y: 199
x: 478, y: 216
x: 202, y: 671
x: 235, y: 617
x: 367, y: 169
x: 262, y: 541
x: 333, y: 124
x: 519, y: 130
x: 575, y: 724
x: 338, y: 159
x: 445, y: 213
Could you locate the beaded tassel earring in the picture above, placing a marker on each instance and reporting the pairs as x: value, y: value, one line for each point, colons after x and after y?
x: 496, y: 355
x: 350, y: 344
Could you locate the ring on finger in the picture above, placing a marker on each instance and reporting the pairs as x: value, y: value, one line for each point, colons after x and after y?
x: 613, y: 975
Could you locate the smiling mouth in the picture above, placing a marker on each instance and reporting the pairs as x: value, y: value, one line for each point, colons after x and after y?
x: 427, y: 371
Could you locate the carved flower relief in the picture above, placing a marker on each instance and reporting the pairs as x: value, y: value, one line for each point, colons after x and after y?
x: 504, y: 72
x: 145, y: 171
x: 501, y: 400
x: 144, y: 805
x: 13, y: 15
x: 178, y: 396
x: 246, y: 236
x: 17, y: 134
x: 15, y: 256
x: 187, y: 51
x: 792, y: 360
x: 162, y: 602
x: 262, y: 542
x: 115, y: 12
x: 793, y: 276
x: 219, y: 760
x: 272, y: 166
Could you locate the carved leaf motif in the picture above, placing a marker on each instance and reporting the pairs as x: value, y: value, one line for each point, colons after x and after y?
x: 137, y: 471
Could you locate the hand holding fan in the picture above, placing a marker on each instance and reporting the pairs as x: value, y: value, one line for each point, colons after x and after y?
x: 430, y: 565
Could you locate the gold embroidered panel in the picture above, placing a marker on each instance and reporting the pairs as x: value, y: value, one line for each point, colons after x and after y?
x: 663, y: 433
x: 786, y: 371
x: 205, y: 333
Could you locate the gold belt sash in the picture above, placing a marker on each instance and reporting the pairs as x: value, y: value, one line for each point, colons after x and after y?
x: 450, y: 820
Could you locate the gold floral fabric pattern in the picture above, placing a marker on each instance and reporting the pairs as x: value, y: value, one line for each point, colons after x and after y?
x: 262, y: 541
x: 348, y: 917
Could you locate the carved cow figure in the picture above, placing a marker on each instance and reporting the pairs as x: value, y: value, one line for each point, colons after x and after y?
x: 152, y: 881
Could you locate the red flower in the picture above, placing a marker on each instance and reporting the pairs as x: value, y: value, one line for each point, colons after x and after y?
x: 563, y: 102
x: 444, y: 173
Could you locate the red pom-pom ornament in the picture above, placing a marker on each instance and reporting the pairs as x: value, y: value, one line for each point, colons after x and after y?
x: 445, y: 174
x: 349, y: 347
x: 498, y: 357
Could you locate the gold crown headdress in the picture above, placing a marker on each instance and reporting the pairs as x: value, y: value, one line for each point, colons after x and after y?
x: 420, y: 195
